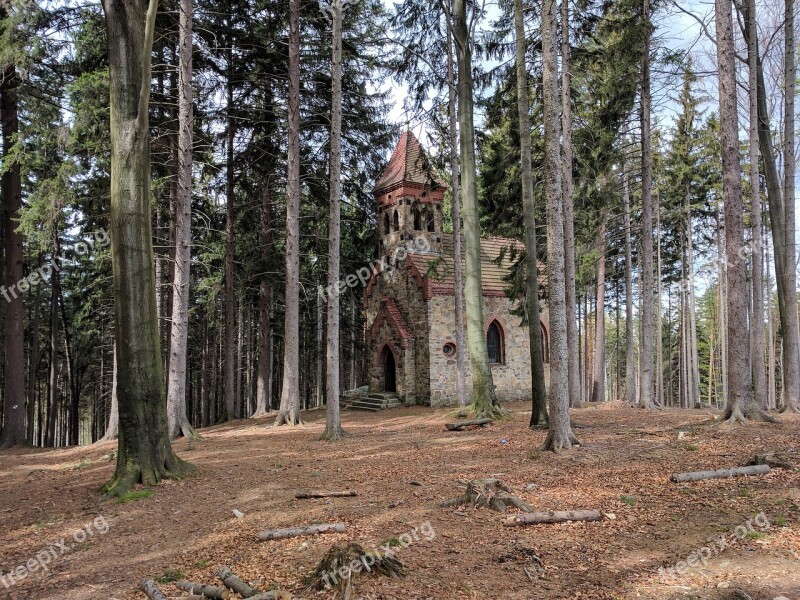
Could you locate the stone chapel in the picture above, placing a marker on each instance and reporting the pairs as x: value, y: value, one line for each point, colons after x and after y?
x: 410, y: 304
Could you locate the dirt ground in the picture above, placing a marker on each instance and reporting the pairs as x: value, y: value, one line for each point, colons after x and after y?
x: 401, y: 463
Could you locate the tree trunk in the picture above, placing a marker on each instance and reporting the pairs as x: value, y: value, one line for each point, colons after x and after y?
x: 539, y: 389
x: 112, y: 428
x: 14, y: 340
x: 658, y: 316
x: 53, y: 387
x: 178, y: 422
x: 599, y: 379
x: 630, y: 365
x: 740, y: 400
x: 264, y: 306
x: 144, y: 455
x: 333, y: 423
x: 458, y: 251
x: 559, y: 435
x: 792, y: 398
x: 573, y: 341
x: 646, y: 355
x: 484, y: 401
x: 289, y: 411
x: 230, y: 190
x: 693, y: 356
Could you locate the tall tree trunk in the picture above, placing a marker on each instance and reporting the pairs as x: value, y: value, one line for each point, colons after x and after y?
x: 792, y: 348
x: 53, y: 387
x: 484, y: 401
x: 333, y: 422
x: 630, y: 365
x: 658, y: 316
x: 573, y: 343
x: 599, y: 378
x: 458, y: 250
x: 559, y: 436
x: 145, y: 455
x: 289, y: 411
x: 112, y: 427
x: 694, y: 360
x: 646, y: 355
x: 230, y: 190
x: 14, y: 340
x: 264, y: 306
x: 740, y: 401
x: 539, y: 389
x: 178, y: 421
x: 758, y: 341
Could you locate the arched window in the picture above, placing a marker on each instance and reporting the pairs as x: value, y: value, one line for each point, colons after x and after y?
x: 417, y: 219
x: 430, y: 220
x: 494, y: 343
x: 396, y: 222
x: 386, y: 229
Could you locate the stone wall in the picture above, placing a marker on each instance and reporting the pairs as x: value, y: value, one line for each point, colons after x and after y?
x: 512, y: 379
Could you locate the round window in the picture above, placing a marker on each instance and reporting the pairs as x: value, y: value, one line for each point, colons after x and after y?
x: 449, y: 349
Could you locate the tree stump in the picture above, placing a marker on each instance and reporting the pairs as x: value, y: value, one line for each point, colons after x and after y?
x: 491, y: 493
x: 341, y: 564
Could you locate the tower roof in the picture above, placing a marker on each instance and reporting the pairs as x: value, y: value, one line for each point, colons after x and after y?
x: 409, y: 165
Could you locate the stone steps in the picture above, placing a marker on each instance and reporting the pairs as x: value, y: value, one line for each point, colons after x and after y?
x: 375, y: 402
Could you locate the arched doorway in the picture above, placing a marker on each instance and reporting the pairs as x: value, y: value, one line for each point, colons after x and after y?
x: 389, y: 371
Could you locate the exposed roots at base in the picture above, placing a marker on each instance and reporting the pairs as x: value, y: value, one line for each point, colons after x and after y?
x: 260, y: 414
x: 333, y: 435
x: 335, y: 571
x: 560, y: 442
x: 791, y: 409
x: 737, y: 416
x: 132, y: 473
x: 494, y: 412
x: 188, y: 432
x: 286, y: 418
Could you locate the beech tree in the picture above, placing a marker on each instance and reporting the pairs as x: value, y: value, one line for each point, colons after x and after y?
x: 484, y: 401
x: 144, y: 452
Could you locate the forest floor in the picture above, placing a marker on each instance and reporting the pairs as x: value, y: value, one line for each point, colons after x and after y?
x: 401, y: 462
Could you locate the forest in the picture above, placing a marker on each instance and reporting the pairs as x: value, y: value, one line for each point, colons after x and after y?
x: 214, y: 383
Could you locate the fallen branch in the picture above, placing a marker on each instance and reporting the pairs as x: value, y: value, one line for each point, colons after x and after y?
x: 307, y: 495
x: 723, y: 473
x: 151, y: 590
x: 460, y: 425
x: 231, y: 581
x: 290, y: 532
x: 553, y: 516
x: 209, y: 591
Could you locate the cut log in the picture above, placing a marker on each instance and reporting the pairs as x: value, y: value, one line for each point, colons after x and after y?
x: 553, y: 516
x: 722, y: 473
x: 151, y: 590
x: 209, y: 591
x: 290, y: 532
x: 460, y: 425
x: 307, y: 495
x: 273, y: 595
x: 234, y: 583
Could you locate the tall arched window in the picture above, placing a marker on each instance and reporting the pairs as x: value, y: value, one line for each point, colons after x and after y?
x: 417, y: 219
x: 494, y: 343
x: 386, y: 229
x: 396, y: 221
x: 430, y: 219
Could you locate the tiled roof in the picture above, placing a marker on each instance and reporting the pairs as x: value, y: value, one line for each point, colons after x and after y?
x: 435, y: 271
x: 389, y: 313
x: 409, y: 164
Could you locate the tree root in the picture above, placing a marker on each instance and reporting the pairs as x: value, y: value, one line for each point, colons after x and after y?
x: 736, y: 416
x: 132, y: 473
x: 333, y: 435
x: 287, y: 418
x: 790, y: 409
x: 493, y: 411
x: 557, y: 442
x: 340, y: 565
